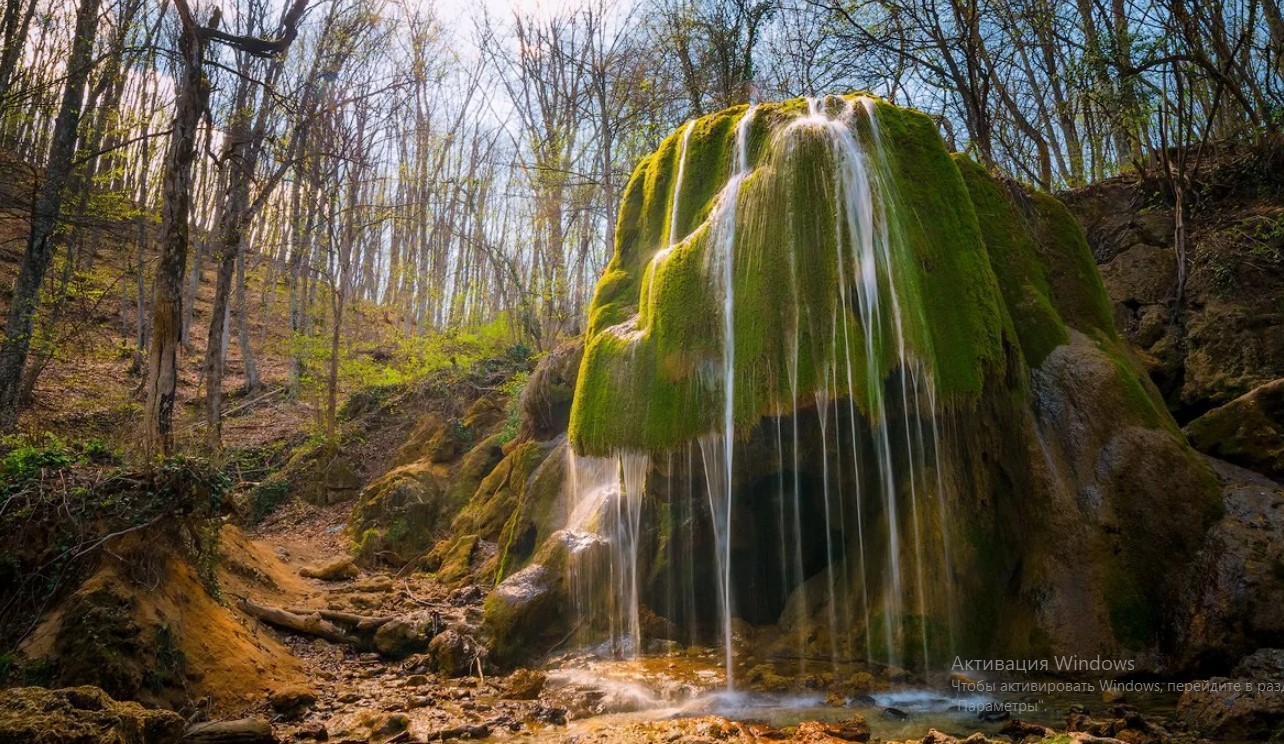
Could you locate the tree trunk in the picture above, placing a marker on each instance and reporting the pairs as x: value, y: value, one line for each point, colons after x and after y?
x: 252, y: 382
x: 45, y: 218
x: 176, y: 190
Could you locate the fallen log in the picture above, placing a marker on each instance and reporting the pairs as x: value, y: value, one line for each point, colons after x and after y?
x: 313, y: 624
x: 362, y: 623
x: 243, y: 731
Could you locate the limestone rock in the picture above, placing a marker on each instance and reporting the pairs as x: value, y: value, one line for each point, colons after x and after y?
x: 1233, y: 601
x: 238, y: 731
x: 82, y: 715
x: 546, y: 399
x: 396, y: 514
x: 525, y: 684
x: 529, y: 609
x: 1141, y: 275
x: 341, y: 481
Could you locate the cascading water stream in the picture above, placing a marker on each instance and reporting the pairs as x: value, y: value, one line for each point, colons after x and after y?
x: 719, y: 447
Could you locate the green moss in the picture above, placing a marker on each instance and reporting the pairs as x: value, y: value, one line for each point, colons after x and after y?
x: 651, y: 373
x: 1045, y: 269
x: 1013, y: 253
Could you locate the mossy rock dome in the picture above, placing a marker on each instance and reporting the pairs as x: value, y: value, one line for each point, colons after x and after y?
x: 843, y: 238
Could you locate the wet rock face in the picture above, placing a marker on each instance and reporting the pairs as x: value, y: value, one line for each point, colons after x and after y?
x: 1233, y: 602
x: 1248, y: 431
x: 82, y: 715
x: 521, y: 609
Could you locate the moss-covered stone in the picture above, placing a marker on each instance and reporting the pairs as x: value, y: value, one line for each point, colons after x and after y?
x: 1248, y: 431
x: 397, y: 514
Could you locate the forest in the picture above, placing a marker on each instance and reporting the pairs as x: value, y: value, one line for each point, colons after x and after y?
x: 536, y: 351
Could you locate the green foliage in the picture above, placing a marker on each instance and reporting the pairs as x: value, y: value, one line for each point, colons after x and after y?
x: 26, y: 457
x: 40, y: 673
x: 512, y: 389
x: 402, y: 360
x: 207, y: 556
x: 266, y: 497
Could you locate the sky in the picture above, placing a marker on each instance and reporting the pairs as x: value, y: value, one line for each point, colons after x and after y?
x: 459, y: 13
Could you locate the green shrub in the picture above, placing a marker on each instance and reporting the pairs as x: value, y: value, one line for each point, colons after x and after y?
x: 266, y: 497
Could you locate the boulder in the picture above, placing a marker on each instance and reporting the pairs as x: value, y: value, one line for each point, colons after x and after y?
x: 454, y: 654
x: 397, y: 514
x: 519, y: 608
x: 341, y: 481
x: 524, y: 684
x: 1230, y: 337
x: 1248, y: 431
x: 401, y: 637
x: 238, y: 731
x: 546, y: 398
x: 1141, y: 275
x: 82, y: 715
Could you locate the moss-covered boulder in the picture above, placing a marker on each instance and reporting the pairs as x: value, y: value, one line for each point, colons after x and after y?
x: 510, y: 509
x: 401, y: 514
x: 531, y: 609
x: 1248, y: 431
x: 398, y: 513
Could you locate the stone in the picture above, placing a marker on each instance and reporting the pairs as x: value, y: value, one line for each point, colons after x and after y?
x: 341, y: 481
x: 385, y: 728
x: 80, y: 715
x: 546, y: 398
x: 292, y: 701
x: 1234, y: 596
x: 239, y: 731
x: 313, y: 732
x: 1264, y: 664
x: 853, y: 729
x: 522, y: 609
x: 397, y: 514
x: 401, y: 637
x: 525, y: 684
x: 339, y: 569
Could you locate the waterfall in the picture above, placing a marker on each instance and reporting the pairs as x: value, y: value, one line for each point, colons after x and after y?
x: 855, y: 540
